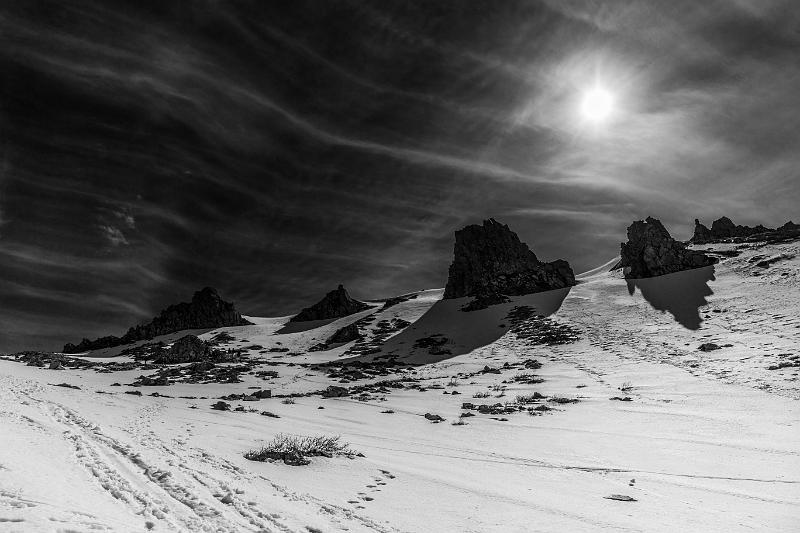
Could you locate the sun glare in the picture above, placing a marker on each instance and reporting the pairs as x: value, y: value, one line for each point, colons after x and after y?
x: 597, y: 104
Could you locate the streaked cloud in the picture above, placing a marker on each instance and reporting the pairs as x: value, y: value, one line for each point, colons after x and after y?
x: 271, y: 151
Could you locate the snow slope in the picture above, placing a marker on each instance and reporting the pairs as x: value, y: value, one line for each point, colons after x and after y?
x: 708, y: 442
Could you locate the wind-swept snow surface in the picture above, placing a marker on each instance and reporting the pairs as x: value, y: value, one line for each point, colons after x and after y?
x: 707, y: 440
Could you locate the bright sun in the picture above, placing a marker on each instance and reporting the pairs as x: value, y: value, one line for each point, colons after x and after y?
x: 597, y: 104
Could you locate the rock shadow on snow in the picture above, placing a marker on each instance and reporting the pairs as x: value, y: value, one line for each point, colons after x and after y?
x: 680, y: 293
x: 445, y: 331
x: 299, y: 327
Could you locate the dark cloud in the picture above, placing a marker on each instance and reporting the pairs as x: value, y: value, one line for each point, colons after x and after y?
x: 274, y: 150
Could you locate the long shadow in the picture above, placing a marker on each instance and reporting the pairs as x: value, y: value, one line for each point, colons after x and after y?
x: 681, y: 294
x: 299, y: 327
x: 461, y: 332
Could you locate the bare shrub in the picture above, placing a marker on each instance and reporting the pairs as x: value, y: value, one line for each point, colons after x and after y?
x: 530, y: 379
x: 558, y: 399
x: 299, y: 446
x: 529, y: 398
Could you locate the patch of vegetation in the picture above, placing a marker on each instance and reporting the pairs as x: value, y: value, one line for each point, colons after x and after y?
x: 434, y: 344
x: 294, y: 449
x: 529, y: 398
x: 626, y: 387
x: 560, y: 400
x: 530, y: 379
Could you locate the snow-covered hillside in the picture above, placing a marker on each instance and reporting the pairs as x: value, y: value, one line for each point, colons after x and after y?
x: 701, y: 440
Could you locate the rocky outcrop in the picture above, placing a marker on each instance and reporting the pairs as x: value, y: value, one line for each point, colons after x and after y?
x: 206, y: 310
x: 724, y: 230
x: 651, y: 251
x: 490, y: 261
x: 701, y: 233
x: 335, y: 304
x: 345, y: 334
x: 188, y: 349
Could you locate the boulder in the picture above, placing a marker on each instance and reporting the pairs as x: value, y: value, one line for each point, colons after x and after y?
x: 489, y: 261
x: 708, y: 347
x: 335, y: 304
x: 57, y: 362
x: 200, y: 367
x: 206, y: 310
x: 651, y: 251
x: 335, y: 392
x: 154, y: 381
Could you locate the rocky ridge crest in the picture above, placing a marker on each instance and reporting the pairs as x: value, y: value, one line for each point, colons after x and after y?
x: 206, y: 310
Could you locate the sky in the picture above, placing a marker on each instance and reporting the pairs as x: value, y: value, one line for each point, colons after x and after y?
x: 276, y: 149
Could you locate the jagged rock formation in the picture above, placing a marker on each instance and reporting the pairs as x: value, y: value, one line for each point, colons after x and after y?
x: 206, y: 310
x: 701, y: 233
x: 490, y: 261
x: 723, y: 229
x: 651, y: 251
x: 335, y: 304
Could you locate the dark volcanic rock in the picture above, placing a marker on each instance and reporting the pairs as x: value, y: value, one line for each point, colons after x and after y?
x: 188, y: 349
x: 334, y: 391
x: 651, y: 251
x: 723, y: 229
x: 490, y: 260
x: 701, y: 233
x: 345, y: 334
x: 484, y: 301
x: 708, y: 347
x: 206, y: 310
x: 335, y: 304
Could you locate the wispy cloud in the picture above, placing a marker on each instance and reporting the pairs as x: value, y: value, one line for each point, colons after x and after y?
x: 113, y: 235
x: 246, y: 145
